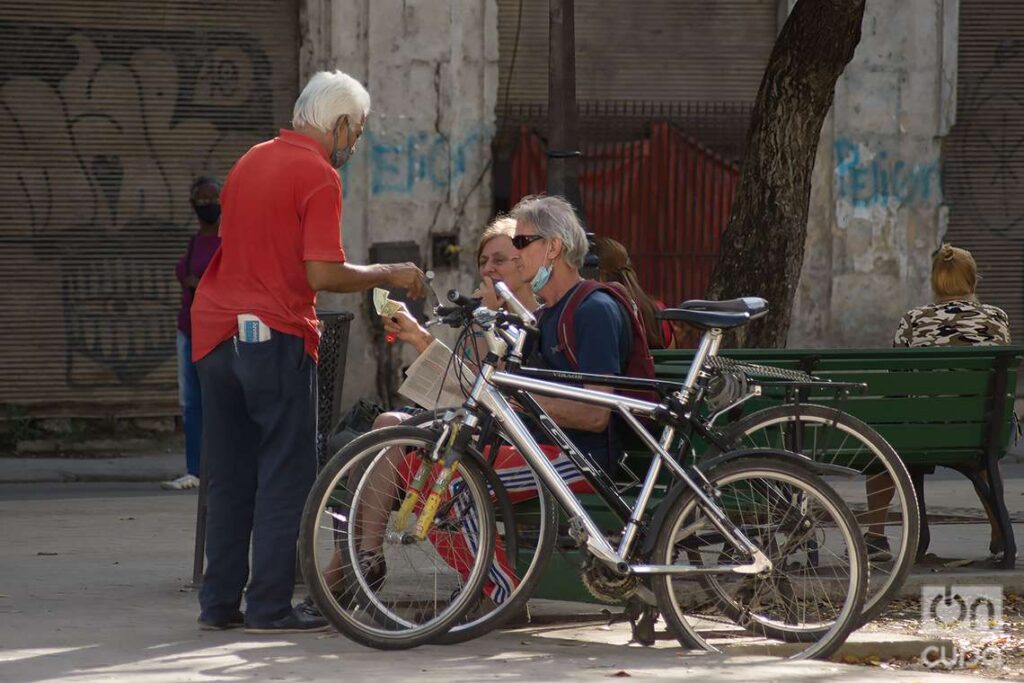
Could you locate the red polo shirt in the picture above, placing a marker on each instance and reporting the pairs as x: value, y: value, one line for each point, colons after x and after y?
x: 281, y: 207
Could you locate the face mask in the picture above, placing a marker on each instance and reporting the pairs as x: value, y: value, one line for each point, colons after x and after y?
x: 541, y: 278
x: 340, y: 157
x: 208, y: 213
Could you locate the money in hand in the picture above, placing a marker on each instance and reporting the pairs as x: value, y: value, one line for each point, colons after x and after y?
x: 384, y: 304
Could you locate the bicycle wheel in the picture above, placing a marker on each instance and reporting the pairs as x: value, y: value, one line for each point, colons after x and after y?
x: 367, y: 570
x: 888, y: 512
x: 810, y: 600
x: 526, y: 535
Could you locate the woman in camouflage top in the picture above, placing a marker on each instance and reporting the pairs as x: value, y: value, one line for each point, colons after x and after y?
x: 956, y: 318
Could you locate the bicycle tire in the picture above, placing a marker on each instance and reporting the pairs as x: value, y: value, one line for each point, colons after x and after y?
x: 382, y: 630
x: 821, y: 642
x: 884, y: 582
x: 475, y: 626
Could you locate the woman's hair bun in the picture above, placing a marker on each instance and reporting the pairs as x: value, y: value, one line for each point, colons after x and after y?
x: 947, y: 252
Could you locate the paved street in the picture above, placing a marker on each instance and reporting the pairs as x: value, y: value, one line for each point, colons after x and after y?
x: 94, y: 587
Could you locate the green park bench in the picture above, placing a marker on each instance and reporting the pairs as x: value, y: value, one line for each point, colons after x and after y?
x: 949, y: 407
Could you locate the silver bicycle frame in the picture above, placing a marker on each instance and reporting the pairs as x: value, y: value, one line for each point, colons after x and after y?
x: 486, y: 392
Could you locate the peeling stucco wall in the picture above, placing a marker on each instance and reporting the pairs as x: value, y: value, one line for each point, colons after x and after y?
x: 423, y: 165
x: 877, y: 210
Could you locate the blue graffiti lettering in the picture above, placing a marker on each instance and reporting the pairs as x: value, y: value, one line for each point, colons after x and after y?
x: 399, y: 165
x: 870, y: 180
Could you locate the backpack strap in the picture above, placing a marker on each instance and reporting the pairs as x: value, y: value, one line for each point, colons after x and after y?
x: 566, y: 331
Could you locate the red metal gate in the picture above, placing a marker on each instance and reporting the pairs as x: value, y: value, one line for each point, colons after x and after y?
x: 665, y: 197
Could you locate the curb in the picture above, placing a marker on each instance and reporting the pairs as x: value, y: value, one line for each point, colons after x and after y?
x: 1011, y: 580
x: 144, y: 468
x: 72, y: 478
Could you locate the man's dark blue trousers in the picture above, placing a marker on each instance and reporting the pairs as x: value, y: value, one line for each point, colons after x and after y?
x: 259, y: 443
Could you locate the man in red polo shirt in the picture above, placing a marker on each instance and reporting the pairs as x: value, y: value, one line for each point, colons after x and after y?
x: 255, y: 338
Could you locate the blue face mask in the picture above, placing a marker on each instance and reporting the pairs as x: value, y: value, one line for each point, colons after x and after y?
x: 541, y: 278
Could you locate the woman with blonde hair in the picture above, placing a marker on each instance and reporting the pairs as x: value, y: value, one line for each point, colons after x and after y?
x: 614, y: 265
x: 956, y: 318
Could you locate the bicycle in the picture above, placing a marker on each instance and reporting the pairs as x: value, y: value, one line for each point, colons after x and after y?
x: 823, y: 433
x: 778, y: 525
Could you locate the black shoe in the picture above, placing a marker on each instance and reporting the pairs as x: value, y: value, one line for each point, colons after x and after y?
x: 878, y: 547
x: 307, y: 606
x: 296, y: 621
x: 234, y: 620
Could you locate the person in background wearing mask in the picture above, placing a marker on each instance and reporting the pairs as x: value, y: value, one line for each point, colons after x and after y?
x: 255, y: 338
x: 205, y: 198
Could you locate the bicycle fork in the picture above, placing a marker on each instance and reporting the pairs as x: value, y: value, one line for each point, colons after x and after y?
x: 414, y: 493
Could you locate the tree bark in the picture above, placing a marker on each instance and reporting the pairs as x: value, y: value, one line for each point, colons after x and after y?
x: 762, y: 248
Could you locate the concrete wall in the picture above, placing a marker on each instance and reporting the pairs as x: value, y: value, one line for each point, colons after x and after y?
x: 423, y: 165
x: 877, y: 209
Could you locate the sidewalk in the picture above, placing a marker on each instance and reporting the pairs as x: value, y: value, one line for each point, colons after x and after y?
x: 94, y: 586
x: 949, y: 496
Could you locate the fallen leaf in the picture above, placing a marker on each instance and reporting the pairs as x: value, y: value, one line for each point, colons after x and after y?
x: 958, y: 563
x: 620, y: 674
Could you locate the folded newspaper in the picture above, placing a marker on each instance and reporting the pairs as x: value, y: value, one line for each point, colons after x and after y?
x: 432, y: 380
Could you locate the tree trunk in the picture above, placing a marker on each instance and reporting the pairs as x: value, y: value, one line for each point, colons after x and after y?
x: 762, y: 248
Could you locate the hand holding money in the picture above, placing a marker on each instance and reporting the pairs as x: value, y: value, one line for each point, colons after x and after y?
x: 398, y: 322
x: 386, y: 308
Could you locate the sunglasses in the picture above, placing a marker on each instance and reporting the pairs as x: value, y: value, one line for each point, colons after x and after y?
x: 521, y: 242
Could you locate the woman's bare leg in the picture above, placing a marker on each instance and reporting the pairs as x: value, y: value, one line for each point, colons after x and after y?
x: 880, y: 488
x: 381, y: 485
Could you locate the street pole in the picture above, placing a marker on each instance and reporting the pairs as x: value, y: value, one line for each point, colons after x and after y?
x: 563, y: 116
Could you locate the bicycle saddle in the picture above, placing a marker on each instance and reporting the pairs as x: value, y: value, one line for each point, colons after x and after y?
x: 716, y: 314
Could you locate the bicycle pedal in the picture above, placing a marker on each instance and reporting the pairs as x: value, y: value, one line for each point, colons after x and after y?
x: 643, y: 628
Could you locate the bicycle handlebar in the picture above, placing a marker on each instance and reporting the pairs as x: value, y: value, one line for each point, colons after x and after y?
x: 518, y: 308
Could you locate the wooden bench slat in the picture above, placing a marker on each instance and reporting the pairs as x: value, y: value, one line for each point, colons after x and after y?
x: 911, y: 410
x: 951, y: 383
x: 949, y: 353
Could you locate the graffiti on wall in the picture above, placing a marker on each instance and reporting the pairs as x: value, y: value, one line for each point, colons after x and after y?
x: 398, y: 165
x: 868, y: 177
x: 108, y: 127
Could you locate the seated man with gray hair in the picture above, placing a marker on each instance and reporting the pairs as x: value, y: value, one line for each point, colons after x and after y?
x: 585, y: 326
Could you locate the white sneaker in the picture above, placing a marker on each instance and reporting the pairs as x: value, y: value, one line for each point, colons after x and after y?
x: 185, y: 481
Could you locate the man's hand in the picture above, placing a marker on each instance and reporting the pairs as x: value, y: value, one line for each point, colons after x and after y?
x: 349, y: 277
x: 408, y: 277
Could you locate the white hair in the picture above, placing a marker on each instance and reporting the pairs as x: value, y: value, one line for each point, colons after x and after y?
x: 555, y: 217
x: 328, y: 96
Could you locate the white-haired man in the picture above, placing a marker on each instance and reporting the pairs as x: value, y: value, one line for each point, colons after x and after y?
x: 255, y: 337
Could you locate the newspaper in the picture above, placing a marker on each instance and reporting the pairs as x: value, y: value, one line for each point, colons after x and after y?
x: 432, y: 380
